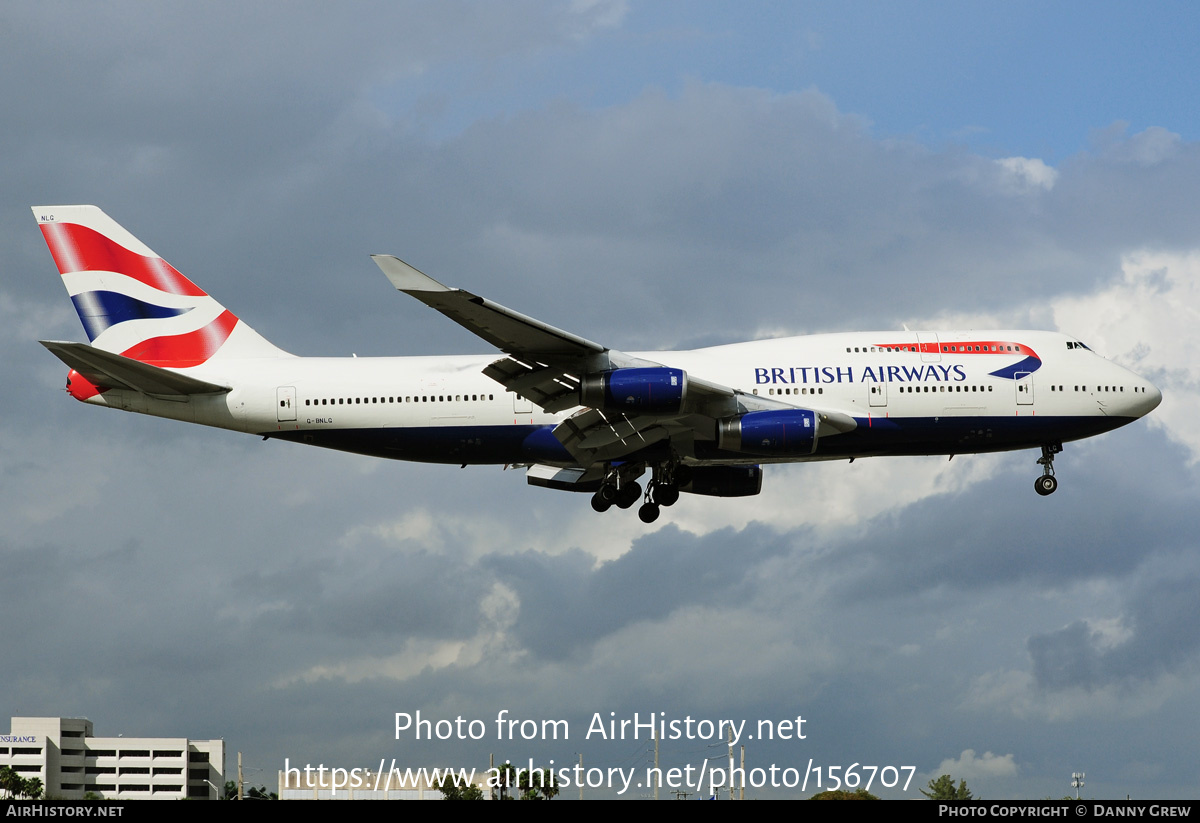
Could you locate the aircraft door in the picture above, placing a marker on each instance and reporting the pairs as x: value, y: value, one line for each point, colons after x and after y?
x: 931, y: 350
x: 522, y: 405
x: 877, y: 394
x: 286, y: 406
x: 1024, y: 388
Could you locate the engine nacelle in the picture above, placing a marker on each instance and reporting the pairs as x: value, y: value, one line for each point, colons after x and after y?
x: 723, y: 481
x: 657, y: 390
x: 790, y: 432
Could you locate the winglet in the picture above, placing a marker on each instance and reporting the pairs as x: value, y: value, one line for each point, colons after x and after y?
x: 404, y: 277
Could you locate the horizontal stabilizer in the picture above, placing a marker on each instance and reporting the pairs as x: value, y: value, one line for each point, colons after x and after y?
x: 115, y: 371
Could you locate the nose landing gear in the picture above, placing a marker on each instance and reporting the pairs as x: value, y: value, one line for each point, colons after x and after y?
x: 1047, y: 483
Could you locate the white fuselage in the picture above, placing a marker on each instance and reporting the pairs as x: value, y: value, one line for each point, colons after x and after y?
x: 910, y: 393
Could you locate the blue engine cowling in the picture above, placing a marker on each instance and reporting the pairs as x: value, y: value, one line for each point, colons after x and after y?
x: 790, y: 432
x: 655, y: 390
x: 723, y: 481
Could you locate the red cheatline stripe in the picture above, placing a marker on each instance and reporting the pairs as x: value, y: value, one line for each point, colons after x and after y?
x: 181, y: 351
x: 988, y: 347
x: 78, y: 248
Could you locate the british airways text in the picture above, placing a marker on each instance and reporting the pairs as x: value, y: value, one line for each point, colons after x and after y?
x: 812, y: 375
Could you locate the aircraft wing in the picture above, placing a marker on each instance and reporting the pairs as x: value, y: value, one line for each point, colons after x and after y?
x: 547, y: 365
x: 507, y: 330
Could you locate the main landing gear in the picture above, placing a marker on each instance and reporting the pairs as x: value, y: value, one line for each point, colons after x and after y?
x: 617, y: 491
x: 663, y: 490
x: 1047, y: 483
x: 621, y: 488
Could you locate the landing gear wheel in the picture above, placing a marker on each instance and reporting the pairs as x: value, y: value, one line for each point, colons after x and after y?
x: 607, y: 493
x: 649, y: 512
x: 666, y: 495
x: 1046, y: 484
x: 599, y: 503
x: 629, y: 494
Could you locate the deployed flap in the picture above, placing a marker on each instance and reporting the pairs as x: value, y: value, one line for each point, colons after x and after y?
x: 570, y: 479
x: 109, y: 369
x: 505, y: 329
x: 551, y: 388
x: 591, y: 435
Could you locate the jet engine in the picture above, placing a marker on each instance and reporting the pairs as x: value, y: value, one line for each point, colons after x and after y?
x: 657, y: 390
x: 788, y: 432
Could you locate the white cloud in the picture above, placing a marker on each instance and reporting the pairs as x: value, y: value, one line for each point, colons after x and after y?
x: 416, y: 657
x: 1147, y: 322
x: 1024, y: 174
x: 1149, y: 147
x: 969, y: 766
x: 597, y: 15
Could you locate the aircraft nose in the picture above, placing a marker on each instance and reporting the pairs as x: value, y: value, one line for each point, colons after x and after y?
x: 1152, y: 398
x: 1145, y: 399
x: 1138, y: 395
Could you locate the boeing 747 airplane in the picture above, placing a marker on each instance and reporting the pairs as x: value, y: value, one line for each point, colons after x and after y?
x: 575, y: 414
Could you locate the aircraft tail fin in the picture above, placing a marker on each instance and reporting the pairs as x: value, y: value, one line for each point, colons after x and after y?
x: 135, y: 304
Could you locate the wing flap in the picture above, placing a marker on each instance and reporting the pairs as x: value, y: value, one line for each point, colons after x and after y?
x: 112, y: 370
x: 564, y: 479
x: 549, y: 387
x: 591, y: 435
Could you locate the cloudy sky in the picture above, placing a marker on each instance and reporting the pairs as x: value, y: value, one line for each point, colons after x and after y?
x: 653, y: 176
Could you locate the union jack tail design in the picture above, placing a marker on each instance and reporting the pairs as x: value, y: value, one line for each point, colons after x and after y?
x: 134, y: 303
